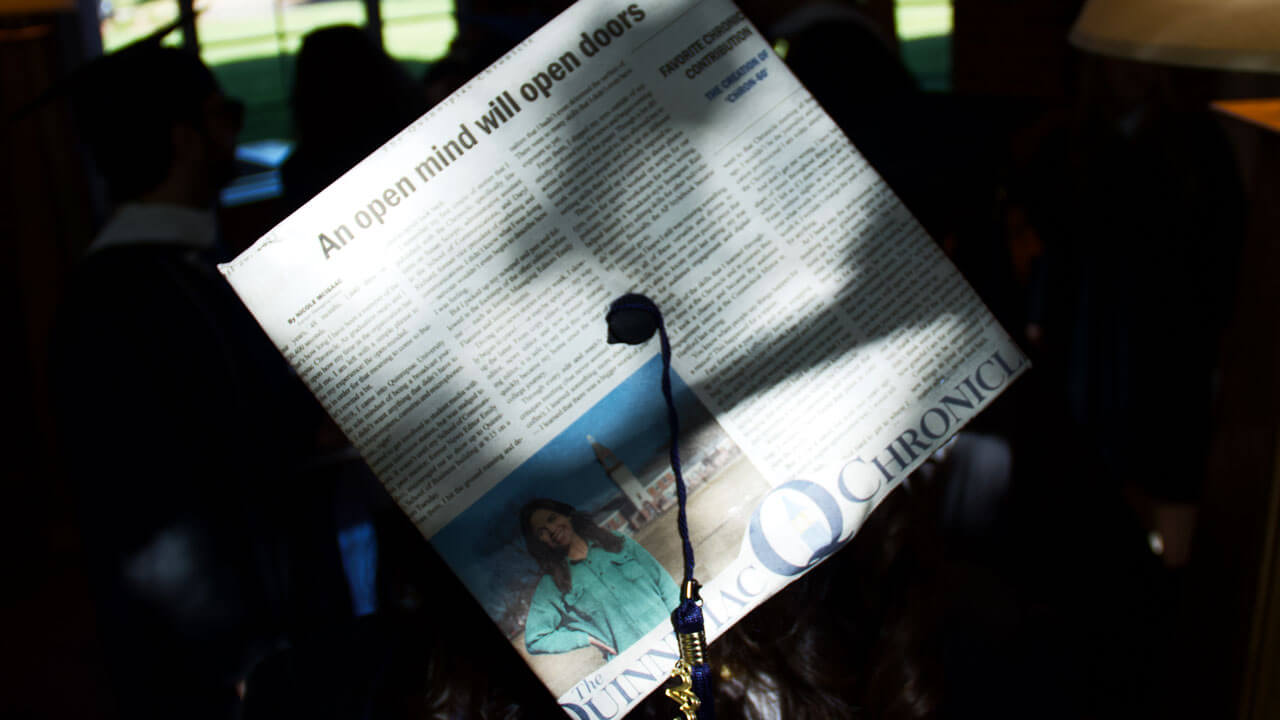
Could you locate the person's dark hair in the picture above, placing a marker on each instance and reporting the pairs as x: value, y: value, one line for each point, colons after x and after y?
x: 128, y: 104
x: 341, y: 61
x: 555, y: 562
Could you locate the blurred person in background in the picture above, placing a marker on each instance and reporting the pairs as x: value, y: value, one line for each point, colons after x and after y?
x: 178, y: 420
x: 487, y: 29
x: 343, y: 62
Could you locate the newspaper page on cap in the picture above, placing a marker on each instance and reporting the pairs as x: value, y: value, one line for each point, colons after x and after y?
x: 445, y: 301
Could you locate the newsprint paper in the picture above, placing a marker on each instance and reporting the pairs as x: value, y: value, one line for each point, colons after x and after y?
x: 445, y: 301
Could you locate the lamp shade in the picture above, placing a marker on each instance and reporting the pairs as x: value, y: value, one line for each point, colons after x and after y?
x: 1223, y: 34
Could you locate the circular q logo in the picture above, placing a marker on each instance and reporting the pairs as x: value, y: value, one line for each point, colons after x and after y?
x: 795, y: 526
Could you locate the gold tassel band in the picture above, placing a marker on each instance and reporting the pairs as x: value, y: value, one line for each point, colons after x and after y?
x: 693, y: 647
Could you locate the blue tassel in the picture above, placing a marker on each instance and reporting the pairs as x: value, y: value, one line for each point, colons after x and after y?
x: 633, y: 319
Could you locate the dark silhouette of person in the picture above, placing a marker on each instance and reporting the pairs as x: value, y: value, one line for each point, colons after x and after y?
x: 349, y: 97
x: 487, y: 29
x: 177, y: 417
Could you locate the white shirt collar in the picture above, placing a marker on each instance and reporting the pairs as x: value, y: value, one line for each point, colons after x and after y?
x: 157, y: 224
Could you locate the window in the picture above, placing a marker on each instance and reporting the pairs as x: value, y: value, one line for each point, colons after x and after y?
x: 417, y: 31
x: 124, y: 21
x: 250, y: 44
x: 924, y: 34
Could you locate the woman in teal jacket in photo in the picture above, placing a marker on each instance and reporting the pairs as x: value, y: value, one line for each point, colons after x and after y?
x: 598, y: 588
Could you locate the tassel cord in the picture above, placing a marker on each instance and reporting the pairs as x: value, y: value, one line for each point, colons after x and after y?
x: 687, y: 617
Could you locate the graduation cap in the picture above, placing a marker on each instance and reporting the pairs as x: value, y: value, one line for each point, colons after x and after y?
x: 78, y: 81
x: 126, y: 102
